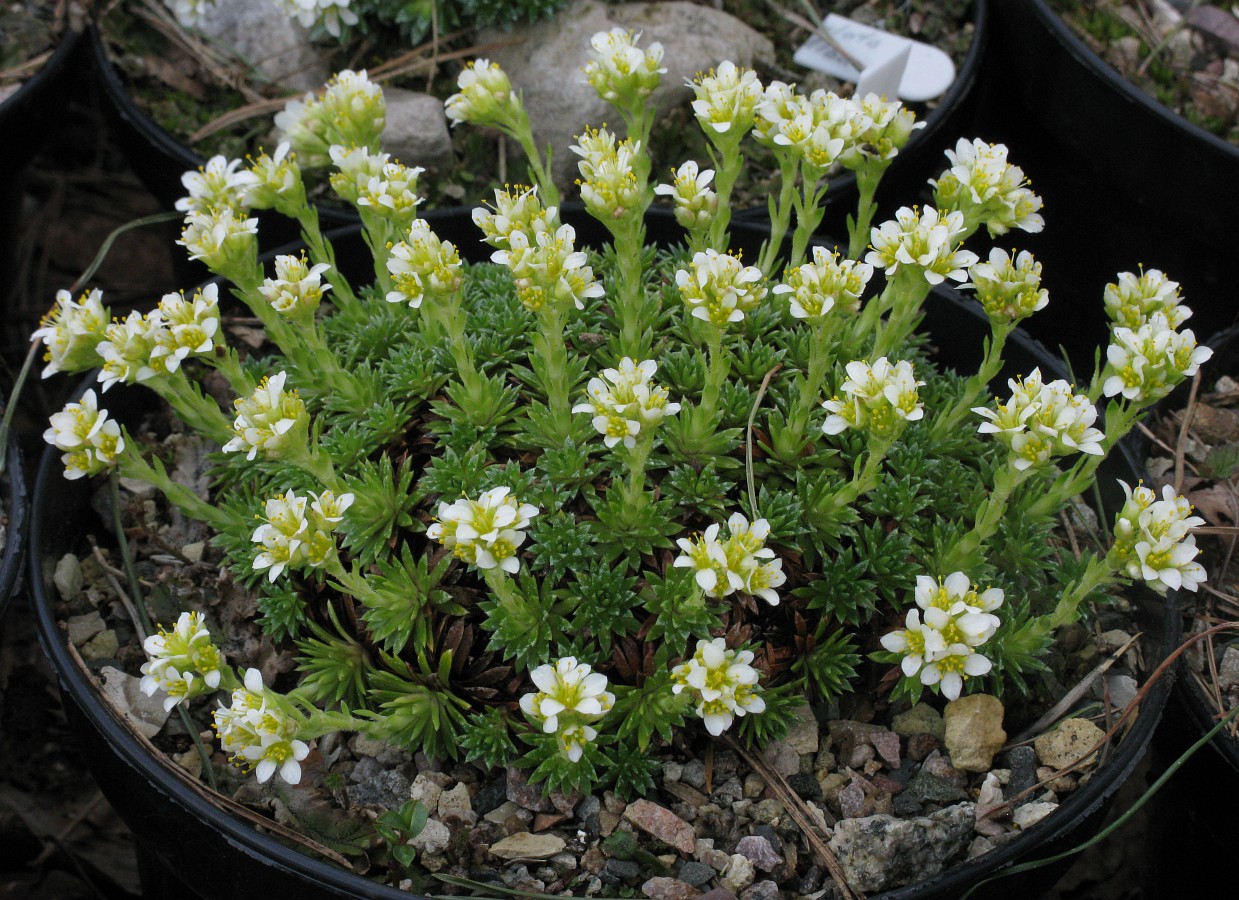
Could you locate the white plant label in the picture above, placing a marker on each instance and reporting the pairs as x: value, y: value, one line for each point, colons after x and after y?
x: 927, y: 71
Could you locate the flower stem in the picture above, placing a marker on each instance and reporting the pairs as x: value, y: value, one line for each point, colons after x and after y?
x: 716, y: 371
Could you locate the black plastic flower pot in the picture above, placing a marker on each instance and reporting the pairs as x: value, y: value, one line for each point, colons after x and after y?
x: 16, y: 510
x: 948, y: 120
x: 27, y: 118
x: 159, y: 158
x: 191, y: 846
x: 1119, y: 172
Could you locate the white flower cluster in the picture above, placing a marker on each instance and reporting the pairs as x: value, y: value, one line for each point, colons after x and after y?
x: 880, y: 399
x: 570, y: 697
x: 71, y: 330
x: 696, y: 203
x: 1152, y: 539
x: 988, y: 189
x: 922, y: 240
x: 297, y: 288
x: 941, y: 649
x: 91, y: 442
x: 1042, y: 421
x: 1009, y: 288
x: 719, y: 288
x: 608, y: 167
x: 423, y: 266
x: 351, y: 113
x: 182, y: 662
x: 331, y: 14
x: 828, y: 282
x: 619, y: 71
x: 485, y: 96
x: 723, y: 682
x: 816, y: 128
x: 1133, y: 299
x: 375, y: 183
x: 271, y: 420
x: 625, y: 402
x: 548, y: 269
x: 296, y: 532
x: 485, y: 532
x: 726, y: 99
x: 742, y: 562
x: 258, y: 734
x: 1146, y: 363
x: 514, y: 211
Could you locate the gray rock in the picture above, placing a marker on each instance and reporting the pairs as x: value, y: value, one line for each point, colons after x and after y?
x: 694, y: 773
x: 920, y: 719
x: 1228, y: 669
x: 417, y: 132
x: 759, y: 852
x: 805, y: 785
x: 389, y: 789
x: 695, y: 873
x: 762, y: 890
x: 83, y: 628
x: 261, y: 33
x: 428, y: 787
x: 433, y: 839
x: 738, y: 875
x: 621, y: 871
x: 456, y: 807
x: 524, y: 845
x: 695, y: 38
x: 881, y: 852
x: 926, y: 787
x: 663, y: 888
x: 1022, y: 761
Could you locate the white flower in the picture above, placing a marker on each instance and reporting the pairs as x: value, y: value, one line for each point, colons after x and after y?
x: 1133, y: 299
x: 987, y: 189
x: 608, y: 168
x: 1152, y: 540
x: 187, y: 327
x: 331, y: 14
x: 71, y: 331
x: 1042, y: 421
x: 215, y: 185
x: 515, y: 210
x: 924, y: 240
x: 719, y: 288
x: 742, y: 562
x: 297, y: 288
x: 485, y: 97
x: 696, y: 204
x: 297, y: 531
x: 126, y: 350
x: 880, y: 398
x: 917, y: 642
x: 91, y: 442
x: 548, y: 269
x: 373, y: 181
x: 726, y: 99
x: 356, y: 109
x: 950, y: 668
x: 1145, y: 364
x: 622, y: 73
x: 258, y: 734
x: 485, y: 532
x: 423, y: 266
x: 569, y: 694
x: 625, y: 402
x: 1009, y: 288
x: 722, y: 681
x: 271, y: 419
x: 882, y: 128
x: 182, y: 662
x: 219, y: 238
x: 828, y: 282
x: 274, y: 182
